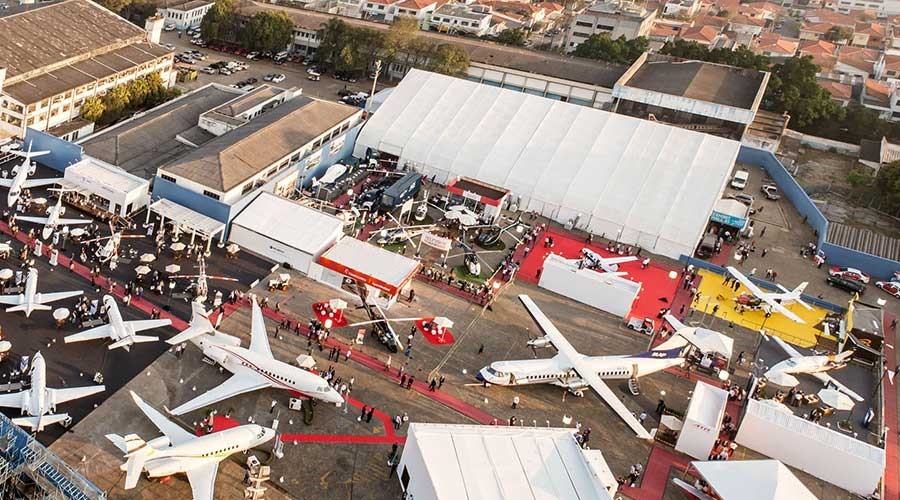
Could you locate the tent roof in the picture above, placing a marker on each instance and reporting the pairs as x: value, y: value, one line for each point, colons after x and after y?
x: 104, y: 179
x: 708, y: 340
x: 291, y: 223
x: 707, y: 404
x: 184, y: 216
x: 376, y: 266
x: 752, y: 480
x: 651, y: 179
x: 732, y: 207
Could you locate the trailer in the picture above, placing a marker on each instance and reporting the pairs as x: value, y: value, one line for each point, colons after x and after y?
x: 405, y: 188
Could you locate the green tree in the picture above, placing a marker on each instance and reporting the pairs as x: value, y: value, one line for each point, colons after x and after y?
x: 332, y: 37
x: 793, y: 89
x: 449, y: 59
x: 267, y: 31
x: 838, y: 34
x: 618, y: 51
x: 860, y: 177
x: 515, y: 37
x: 399, y: 36
x: 220, y: 22
x: 92, y: 109
x: 114, y: 5
x: 887, y: 185
x: 741, y: 57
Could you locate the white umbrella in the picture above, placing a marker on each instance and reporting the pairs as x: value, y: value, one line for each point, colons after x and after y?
x: 672, y: 422
x: 76, y: 232
x: 61, y: 314
x: 177, y: 246
x: 233, y: 248
x: 5, y: 346
x: 836, y: 399
x: 781, y: 378
x: 443, y: 322
x: 6, y: 274
x: 141, y: 270
x: 776, y: 405
x: 39, y: 201
x: 173, y: 268
x: 148, y: 257
x: 468, y: 220
x: 337, y: 304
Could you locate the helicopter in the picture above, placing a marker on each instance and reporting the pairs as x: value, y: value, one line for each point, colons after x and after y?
x: 201, y: 287
x: 111, y: 248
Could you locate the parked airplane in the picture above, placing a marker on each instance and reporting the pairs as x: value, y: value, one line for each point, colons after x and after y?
x: 575, y: 371
x: 53, y: 220
x: 31, y: 300
x: 783, y: 373
x: 123, y: 333
x: 180, y: 451
x: 20, y: 174
x: 39, y: 401
x: 593, y: 260
x: 253, y: 369
x: 776, y: 301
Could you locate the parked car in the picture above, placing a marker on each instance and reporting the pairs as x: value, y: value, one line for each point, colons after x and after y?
x: 209, y: 70
x: 169, y: 46
x: 278, y: 78
x: 224, y: 71
x: 251, y: 80
x: 739, y: 181
x: 746, y: 199
x: 315, y: 77
x: 891, y: 287
x: 771, y: 191
x: 849, y: 273
x: 850, y: 285
x: 169, y: 27
x: 253, y: 55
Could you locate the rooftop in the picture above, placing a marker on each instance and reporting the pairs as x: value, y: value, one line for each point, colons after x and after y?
x: 141, y: 144
x: 702, y: 34
x: 529, y: 61
x: 716, y: 83
x: 305, y: 228
x: 228, y: 160
x: 623, y: 9
x: 79, y: 27
x: 378, y: 267
x: 188, y: 5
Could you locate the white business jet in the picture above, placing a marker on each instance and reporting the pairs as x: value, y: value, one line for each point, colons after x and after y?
x: 783, y: 373
x: 53, y: 218
x: 123, y: 333
x: 575, y: 371
x: 20, y: 178
x: 31, y: 300
x: 180, y: 451
x: 776, y: 301
x: 593, y: 260
x: 39, y: 401
x: 253, y: 369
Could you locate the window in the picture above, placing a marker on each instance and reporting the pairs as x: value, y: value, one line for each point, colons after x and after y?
x: 580, y: 34
x: 605, y: 27
x: 585, y: 24
x: 169, y: 178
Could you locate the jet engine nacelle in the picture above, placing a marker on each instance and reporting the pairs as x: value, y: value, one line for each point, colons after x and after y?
x: 217, y: 355
x: 540, y: 342
x: 160, y: 442
x: 164, y: 467
x: 576, y: 387
x: 62, y: 210
x: 15, y: 171
x: 32, y: 170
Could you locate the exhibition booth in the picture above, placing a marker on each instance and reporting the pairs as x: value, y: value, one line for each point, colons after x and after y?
x: 745, y: 480
x: 702, y: 421
x: 603, y: 291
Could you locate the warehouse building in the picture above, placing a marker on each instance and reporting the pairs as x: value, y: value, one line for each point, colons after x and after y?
x: 639, y: 182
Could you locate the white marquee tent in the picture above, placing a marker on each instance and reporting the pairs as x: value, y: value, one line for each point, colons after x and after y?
x: 752, y: 480
x: 643, y: 182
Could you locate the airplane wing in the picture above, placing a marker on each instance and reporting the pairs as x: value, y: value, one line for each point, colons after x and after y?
x: 12, y: 400
x: 100, y: 332
x: 619, y: 260
x: 243, y: 382
x: 672, y: 320
x: 6, y: 183
x: 148, y: 324
x: 259, y: 341
x: 33, y: 220
x: 30, y: 183
x: 62, y: 395
x: 764, y: 296
x: 43, y: 298
x: 203, y: 480
x: 786, y: 347
x: 12, y: 300
x: 824, y: 377
x: 173, y: 431
x: 584, y: 370
x: 64, y: 222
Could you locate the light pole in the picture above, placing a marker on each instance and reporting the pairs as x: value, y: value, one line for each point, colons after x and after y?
x: 374, y: 83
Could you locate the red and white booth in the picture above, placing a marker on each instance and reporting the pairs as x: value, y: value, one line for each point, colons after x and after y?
x: 386, y: 274
x: 484, y: 196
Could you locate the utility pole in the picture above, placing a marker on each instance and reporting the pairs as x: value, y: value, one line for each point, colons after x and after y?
x: 374, y: 83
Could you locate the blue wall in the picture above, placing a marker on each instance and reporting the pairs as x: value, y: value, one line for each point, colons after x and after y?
x: 195, y: 201
x: 330, y: 157
x: 62, y: 153
x: 835, y: 255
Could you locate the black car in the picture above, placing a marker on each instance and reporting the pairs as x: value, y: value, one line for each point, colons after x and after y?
x: 851, y: 286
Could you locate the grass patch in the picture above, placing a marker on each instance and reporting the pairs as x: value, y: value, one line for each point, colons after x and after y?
x: 394, y: 247
x: 461, y: 272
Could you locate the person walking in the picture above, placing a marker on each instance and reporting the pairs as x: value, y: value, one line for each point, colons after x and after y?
x: 387, y: 364
x: 369, y: 414
x: 362, y: 415
x: 432, y: 385
x: 409, y: 382
x: 402, y: 379
x: 515, y: 402
x: 441, y: 382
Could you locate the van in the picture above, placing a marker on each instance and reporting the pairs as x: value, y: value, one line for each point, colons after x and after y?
x: 707, y: 246
x: 740, y: 179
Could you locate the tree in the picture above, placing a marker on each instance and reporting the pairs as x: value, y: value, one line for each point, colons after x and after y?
x: 332, y: 38
x: 267, y: 31
x: 887, y: 185
x: 618, y: 51
x: 114, y: 5
x: 398, y: 37
x: 793, y: 89
x: 860, y: 177
x: 741, y: 57
x: 515, y: 37
x: 449, y: 59
x: 220, y: 22
x: 92, y: 109
x: 838, y: 34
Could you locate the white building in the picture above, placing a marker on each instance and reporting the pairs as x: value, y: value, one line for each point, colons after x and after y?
x: 454, y: 17
x: 641, y: 182
x: 681, y: 8
x: 881, y: 7
x: 475, y: 462
x: 186, y: 14
x: 388, y: 10
x: 108, y: 187
x: 618, y: 18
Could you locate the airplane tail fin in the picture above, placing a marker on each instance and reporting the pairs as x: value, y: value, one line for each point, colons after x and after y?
x: 137, y: 451
x: 28, y: 308
x: 38, y: 423
x: 199, y: 325
x: 800, y: 288
x: 844, y: 356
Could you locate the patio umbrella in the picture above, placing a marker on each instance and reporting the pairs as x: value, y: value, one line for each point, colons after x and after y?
x: 177, y: 246
x: 233, y: 248
x: 141, y: 270
x: 76, y: 232
x: 148, y: 257
x: 836, y: 399
x: 781, y: 378
x: 173, y: 268
x: 337, y: 304
x: 443, y: 322
x: 39, y: 201
x: 61, y: 314
x: 6, y: 274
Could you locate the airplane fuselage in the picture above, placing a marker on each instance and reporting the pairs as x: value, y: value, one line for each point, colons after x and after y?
x: 556, y: 371
x: 37, y: 395
x: 211, y: 448
x: 15, y: 188
x: 806, y: 364
x: 118, y: 329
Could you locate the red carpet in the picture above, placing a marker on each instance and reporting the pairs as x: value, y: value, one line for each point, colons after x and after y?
x: 657, y: 289
x: 656, y: 474
x: 390, y: 438
x: 220, y: 423
x: 431, y: 337
x: 324, y: 313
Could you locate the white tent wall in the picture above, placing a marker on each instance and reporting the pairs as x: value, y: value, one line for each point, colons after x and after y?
x: 702, y: 421
x: 612, y: 294
x: 827, y: 454
x: 652, y: 184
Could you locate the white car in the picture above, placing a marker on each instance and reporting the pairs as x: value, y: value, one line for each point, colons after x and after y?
x: 740, y: 179
x: 169, y: 46
x: 169, y: 27
x: 278, y: 78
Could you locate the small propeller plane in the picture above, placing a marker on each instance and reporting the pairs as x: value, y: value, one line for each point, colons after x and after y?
x: 31, y: 300
x: 783, y: 373
x: 53, y: 218
x: 776, y: 301
x: 575, y: 371
x: 123, y: 333
x: 593, y: 260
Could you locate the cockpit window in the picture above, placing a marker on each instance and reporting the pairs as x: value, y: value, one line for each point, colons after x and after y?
x: 494, y: 372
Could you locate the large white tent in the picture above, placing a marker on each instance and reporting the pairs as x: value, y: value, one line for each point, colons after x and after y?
x: 752, y: 480
x: 641, y: 182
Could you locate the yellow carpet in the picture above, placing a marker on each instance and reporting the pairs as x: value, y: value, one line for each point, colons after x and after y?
x: 713, y: 292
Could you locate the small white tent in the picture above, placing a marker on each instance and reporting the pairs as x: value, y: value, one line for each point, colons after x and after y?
x: 752, y: 480
x: 702, y: 421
